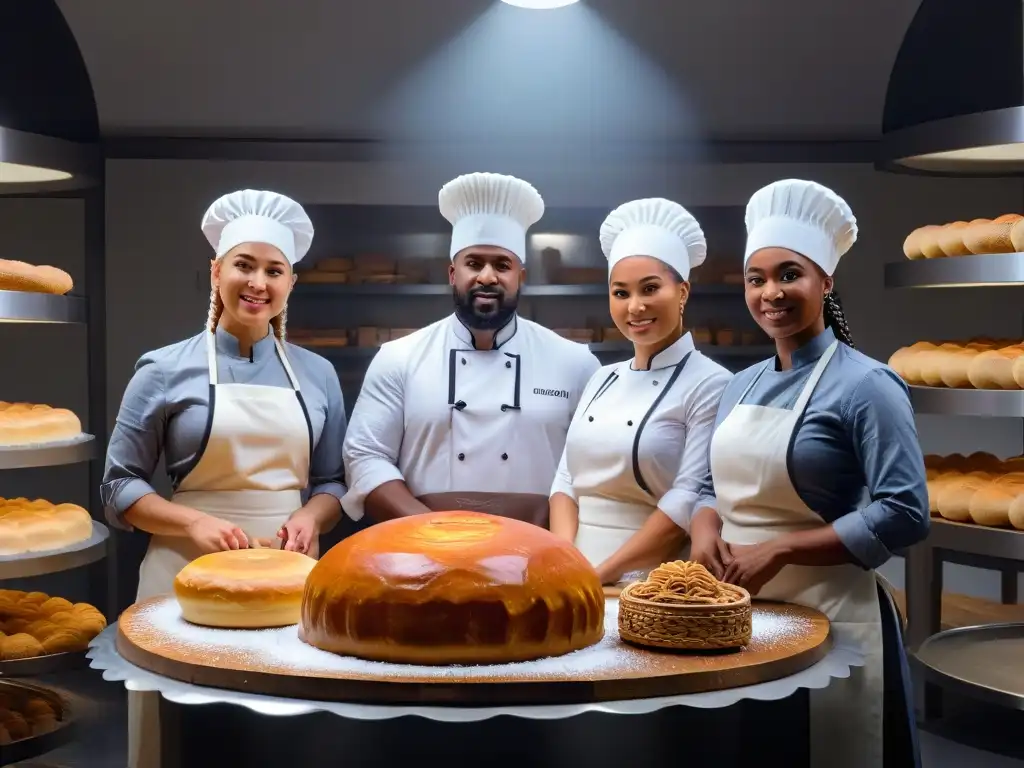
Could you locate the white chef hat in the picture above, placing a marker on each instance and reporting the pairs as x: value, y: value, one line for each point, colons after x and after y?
x: 654, y: 227
x: 804, y: 217
x: 490, y: 209
x: 257, y: 216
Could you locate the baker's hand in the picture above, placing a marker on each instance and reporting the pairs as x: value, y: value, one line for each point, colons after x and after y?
x: 754, y: 565
x: 708, y: 548
x: 301, y: 533
x: 211, y: 534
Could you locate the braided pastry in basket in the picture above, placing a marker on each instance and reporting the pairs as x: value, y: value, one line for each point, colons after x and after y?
x: 681, y: 605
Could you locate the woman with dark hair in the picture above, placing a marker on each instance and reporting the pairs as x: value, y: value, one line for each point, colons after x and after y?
x: 636, y: 451
x: 816, y: 476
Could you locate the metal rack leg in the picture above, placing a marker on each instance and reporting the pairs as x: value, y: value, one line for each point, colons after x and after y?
x: 1008, y: 586
x: 924, y: 616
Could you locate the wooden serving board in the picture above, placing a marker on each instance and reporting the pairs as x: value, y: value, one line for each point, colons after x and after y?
x: 152, y: 635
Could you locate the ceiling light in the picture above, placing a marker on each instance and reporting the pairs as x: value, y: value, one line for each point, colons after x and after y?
x: 540, y: 4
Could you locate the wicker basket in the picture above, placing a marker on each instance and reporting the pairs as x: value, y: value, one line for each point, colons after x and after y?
x: 696, y: 627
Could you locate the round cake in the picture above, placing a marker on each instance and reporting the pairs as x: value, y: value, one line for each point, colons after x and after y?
x: 243, y: 588
x: 453, y: 588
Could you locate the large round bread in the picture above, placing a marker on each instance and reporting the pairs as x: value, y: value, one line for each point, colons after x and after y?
x: 243, y: 588
x: 38, y: 526
x: 453, y: 588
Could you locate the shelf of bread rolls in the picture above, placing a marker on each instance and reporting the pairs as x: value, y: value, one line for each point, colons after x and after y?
x: 33, y: 721
x: 39, y: 435
x: 982, y: 252
x: 979, y: 492
x: 32, y: 293
x: 961, y: 253
x: 976, y: 377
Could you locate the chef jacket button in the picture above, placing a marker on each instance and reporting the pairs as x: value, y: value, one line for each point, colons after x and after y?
x: 464, y: 362
x: 504, y: 408
x: 655, y: 382
x: 462, y: 457
x: 629, y: 423
x: 508, y: 363
x: 504, y: 457
x: 590, y: 418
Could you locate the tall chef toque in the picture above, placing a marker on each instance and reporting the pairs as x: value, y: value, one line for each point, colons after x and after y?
x: 804, y: 217
x: 654, y: 227
x: 490, y: 209
x: 257, y: 216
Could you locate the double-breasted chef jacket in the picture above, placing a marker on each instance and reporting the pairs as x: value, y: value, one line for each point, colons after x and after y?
x: 639, y: 442
x: 467, y: 428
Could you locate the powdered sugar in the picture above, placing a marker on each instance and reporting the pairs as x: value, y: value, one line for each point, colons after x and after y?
x: 281, y: 650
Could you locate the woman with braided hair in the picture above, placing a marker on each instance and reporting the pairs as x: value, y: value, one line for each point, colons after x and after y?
x: 816, y: 475
x: 250, y: 427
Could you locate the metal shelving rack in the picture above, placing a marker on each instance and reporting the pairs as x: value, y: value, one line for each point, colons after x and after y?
x: 964, y: 660
x: 410, y: 232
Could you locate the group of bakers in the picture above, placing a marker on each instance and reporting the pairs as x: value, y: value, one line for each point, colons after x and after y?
x: 794, y: 478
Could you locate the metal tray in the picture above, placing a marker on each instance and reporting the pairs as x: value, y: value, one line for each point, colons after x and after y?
x: 985, y: 662
x: 33, y: 746
x: 76, y: 555
x: 81, y: 448
x: 30, y: 307
x: 43, y: 665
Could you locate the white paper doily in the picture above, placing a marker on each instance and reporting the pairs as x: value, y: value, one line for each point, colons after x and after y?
x: 103, y: 655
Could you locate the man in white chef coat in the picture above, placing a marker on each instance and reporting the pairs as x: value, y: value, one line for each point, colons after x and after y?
x: 470, y: 412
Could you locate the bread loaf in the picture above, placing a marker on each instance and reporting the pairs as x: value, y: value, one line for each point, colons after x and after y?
x: 1004, y: 234
x: 980, y: 489
x: 243, y: 588
x: 983, y: 236
x: 29, y: 424
x: 20, y: 276
x: 39, y: 526
x: 912, y: 245
x: 951, y: 239
x: 989, y: 364
x: 453, y: 588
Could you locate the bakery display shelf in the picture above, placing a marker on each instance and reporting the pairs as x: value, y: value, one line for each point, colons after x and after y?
x: 43, y: 665
x: 34, y: 746
x: 958, y: 271
x: 1005, y: 403
x: 28, y: 307
x: 336, y: 290
x: 83, y: 553
x: 82, y: 448
x: 1002, y: 543
x: 984, y: 662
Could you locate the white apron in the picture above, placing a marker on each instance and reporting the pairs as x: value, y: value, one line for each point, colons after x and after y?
x: 601, y: 444
x: 252, y: 469
x: 757, y: 502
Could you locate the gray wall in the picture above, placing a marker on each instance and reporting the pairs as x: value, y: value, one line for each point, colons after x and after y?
x: 157, y: 284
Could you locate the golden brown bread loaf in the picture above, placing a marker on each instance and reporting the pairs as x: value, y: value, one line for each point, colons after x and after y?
x: 20, y: 276
x: 980, y: 489
x: 29, y: 424
x: 37, y: 526
x: 975, y: 364
x: 243, y: 588
x: 1004, y: 234
x: 453, y: 588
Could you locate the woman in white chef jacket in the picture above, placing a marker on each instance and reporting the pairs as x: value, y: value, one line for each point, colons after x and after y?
x: 816, y: 475
x: 247, y: 424
x: 636, y: 450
